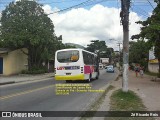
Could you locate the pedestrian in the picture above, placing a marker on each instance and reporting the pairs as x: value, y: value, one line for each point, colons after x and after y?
x: 141, y: 72
x: 136, y: 69
x: 129, y: 68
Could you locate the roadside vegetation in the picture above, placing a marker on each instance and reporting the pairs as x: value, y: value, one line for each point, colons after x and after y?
x: 138, y: 53
x: 24, y: 24
x: 101, y: 48
x: 150, y: 31
x: 151, y: 73
x: 122, y: 101
x: 35, y: 70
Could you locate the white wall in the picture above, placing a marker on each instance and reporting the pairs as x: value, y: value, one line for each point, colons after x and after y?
x: 153, y: 67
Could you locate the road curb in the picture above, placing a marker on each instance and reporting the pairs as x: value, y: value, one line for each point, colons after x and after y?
x: 105, y: 87
x: 99, y: 97
x: 13, y: 82
x: 10, y: 82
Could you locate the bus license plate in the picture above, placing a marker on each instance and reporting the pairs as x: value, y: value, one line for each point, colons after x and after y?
x: 68, y: 73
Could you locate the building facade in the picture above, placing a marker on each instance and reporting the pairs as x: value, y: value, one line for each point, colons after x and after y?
x: 153, y: 62
x: 12, y: 61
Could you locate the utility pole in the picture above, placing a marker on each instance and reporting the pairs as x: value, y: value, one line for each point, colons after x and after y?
x: 119, y: 44
x: 124, y: 14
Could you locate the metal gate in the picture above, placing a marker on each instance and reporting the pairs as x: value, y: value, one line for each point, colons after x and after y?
x: 1, y: 65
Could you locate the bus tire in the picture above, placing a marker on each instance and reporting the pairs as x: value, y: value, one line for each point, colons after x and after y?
x: 97, y: 76
x: 67, y: 81
x: 89, y: 79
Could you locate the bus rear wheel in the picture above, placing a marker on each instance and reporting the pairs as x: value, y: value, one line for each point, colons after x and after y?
x: 68, y: 81
x: 89, y: 79
x: 97, y: 76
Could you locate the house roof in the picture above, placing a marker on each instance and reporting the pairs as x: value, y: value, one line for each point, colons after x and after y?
x: 4, y: 50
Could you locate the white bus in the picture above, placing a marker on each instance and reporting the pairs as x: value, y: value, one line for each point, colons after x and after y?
x: 76, y: 64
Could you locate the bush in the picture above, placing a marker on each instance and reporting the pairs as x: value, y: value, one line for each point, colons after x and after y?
x: 131, y: 67
x: 158, y: 75
x: 35, y: 70
x: 151, y: 73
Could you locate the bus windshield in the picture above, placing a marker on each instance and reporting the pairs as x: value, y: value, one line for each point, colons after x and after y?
x: 68, y: 56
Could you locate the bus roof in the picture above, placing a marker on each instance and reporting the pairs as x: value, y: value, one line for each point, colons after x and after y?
x: 75, y: 49
x: 69, y: 49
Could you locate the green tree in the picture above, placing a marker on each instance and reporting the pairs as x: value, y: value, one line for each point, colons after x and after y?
x: 138, y: 52
x: 69, y: 46
x: 101, y: 47
x: 25, y: 25
x: 96, y: 45
x: 151, y: 30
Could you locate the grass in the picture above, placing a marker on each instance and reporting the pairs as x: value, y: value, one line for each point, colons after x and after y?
x: 151, y: 73
x: 126, y: 101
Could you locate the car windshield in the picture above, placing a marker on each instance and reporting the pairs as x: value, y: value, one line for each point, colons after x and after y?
x: 110, y: 67
x: 68, y: 56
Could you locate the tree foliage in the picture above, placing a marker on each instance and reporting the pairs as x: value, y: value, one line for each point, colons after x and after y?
x: 100, y: 46
x: 96, y: 45
x: 151, y: 30
x: 139, y: 52
x: 25, y: 25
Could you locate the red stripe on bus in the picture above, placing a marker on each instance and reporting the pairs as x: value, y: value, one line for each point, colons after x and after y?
x: 88, y: 69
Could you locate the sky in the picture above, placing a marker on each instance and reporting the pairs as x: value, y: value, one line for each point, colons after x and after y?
x: 93, y: 20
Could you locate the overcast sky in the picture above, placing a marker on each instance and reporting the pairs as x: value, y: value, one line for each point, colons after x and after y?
x: 94, y: 22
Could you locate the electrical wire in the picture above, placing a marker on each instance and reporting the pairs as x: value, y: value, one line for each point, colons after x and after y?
x: 139, y: 10
x: 83, y: 4
x: 71, y: 7
x: 66, y: 1
x: 150, y: 4
x: 91, y: 2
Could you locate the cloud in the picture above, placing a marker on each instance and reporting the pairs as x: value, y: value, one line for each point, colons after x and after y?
x: 97, y: 23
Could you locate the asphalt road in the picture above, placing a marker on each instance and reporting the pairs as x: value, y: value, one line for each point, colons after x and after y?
x: 40, y: 95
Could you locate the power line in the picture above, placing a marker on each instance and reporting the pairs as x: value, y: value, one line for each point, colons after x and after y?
x: 71, y: 7
x: 86, y: 3
x: 146, y: 15
x: 91, y: 2
x: 95, y: 3
x: 150, y: 4
x: 60, y: 2
x: 139, y: 10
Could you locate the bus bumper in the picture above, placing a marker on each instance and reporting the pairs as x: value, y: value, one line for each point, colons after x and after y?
x: 69, y: 77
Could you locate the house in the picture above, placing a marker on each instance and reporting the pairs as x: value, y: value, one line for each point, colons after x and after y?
x: 104, y: 61
x: 116, y: 52
x: 153, y: 65
x: 12, y: 61
x: 153, y: 62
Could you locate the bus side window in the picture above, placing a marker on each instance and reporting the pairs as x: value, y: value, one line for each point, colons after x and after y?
x: 86, y: 58
x: 92, y: 59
